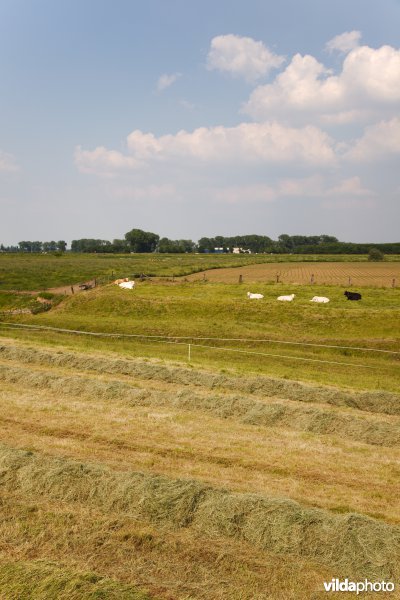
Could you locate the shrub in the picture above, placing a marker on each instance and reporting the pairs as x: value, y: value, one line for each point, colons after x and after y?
x: 374, y: 254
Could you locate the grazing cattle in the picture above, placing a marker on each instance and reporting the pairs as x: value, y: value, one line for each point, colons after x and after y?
x: 127, y: 285
x: 352, y: 295
x: 286, y: 298
x: 254, y: 296
x: 321, y: 299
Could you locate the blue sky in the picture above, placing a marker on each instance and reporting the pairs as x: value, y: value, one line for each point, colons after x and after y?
x: 192, y: 119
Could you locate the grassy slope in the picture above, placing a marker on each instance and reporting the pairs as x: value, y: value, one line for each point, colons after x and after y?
x: 220, y: 310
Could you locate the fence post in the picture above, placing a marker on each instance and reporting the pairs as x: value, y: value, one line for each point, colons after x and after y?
x: 189, y: 352
x: 393, y: 282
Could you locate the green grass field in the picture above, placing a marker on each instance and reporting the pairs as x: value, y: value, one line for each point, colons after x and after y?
x: 42, y: 271
x: 210, y: 310
x: 251, y: 470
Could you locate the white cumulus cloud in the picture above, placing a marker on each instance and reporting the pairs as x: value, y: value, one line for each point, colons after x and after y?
x: 242, y: 57
x: 379, y: 141
x: 103, y: 162
x: 349, y: 188
x: 245, y: 144
x: 166, y: 80
x: 344, y: 42
x: 367, y: 87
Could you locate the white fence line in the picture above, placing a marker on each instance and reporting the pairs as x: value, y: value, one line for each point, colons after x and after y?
x: 190, y: 337
x: 173, y: 340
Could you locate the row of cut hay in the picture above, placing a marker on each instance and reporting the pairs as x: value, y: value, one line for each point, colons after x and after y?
x: 316, y: 419
x: 39, y: 580
x: 370, y: 401
x: 355, y: 545
x: 177, y: 564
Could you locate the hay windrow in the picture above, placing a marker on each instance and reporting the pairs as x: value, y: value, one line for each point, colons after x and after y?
x: 369, y: 401
x: 40, y: 580
x: 299, y: 417
x: 358, y: 546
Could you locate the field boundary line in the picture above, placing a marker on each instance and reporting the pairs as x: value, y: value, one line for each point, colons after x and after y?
x: 173, y: 341
x: 177, y: 337
x: 330, y: 362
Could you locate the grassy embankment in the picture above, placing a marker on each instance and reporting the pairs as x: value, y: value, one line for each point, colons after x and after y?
x: 223, y: 311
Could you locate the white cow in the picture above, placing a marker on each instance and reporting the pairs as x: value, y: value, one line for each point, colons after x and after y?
x: 320, y: 299
x: 254, y: 296
x: 127, y: 285
x: 286, y: 298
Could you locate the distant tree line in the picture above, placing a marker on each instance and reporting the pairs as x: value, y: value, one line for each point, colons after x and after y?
x: 28, y: 246
x: 137, y: 240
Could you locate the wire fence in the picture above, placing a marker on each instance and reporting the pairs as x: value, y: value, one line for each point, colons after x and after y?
x: 191, y: 343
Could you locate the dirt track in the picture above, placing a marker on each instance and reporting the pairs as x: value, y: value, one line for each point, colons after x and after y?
x: 68, y: 290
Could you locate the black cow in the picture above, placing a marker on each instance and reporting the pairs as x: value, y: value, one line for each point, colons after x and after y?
x: 352, y: 295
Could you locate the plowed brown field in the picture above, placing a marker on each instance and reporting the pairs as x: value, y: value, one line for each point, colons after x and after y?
x: 335, y: 273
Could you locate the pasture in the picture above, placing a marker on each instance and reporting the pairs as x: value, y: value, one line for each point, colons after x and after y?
x: 257, y: 467
x: 23, y: 272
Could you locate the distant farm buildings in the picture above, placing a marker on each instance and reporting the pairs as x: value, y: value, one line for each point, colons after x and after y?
x: 222, y: 250
x: 241, y: 251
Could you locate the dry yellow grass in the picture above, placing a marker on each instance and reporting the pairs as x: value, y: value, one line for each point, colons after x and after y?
x: 170, y: 564
x: 156, y: 429
x: 328, y: 474
x: 340, y: 273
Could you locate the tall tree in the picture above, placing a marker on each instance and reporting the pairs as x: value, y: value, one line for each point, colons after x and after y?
x: 61, y: 245
x: 142, y: 241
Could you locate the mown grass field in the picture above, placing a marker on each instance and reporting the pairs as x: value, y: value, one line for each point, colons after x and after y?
x: 346, y: 274
x: 189, y: 484
x: 255, y: 470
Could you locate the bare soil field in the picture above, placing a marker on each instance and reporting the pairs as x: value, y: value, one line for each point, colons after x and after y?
x: 335, y: 273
